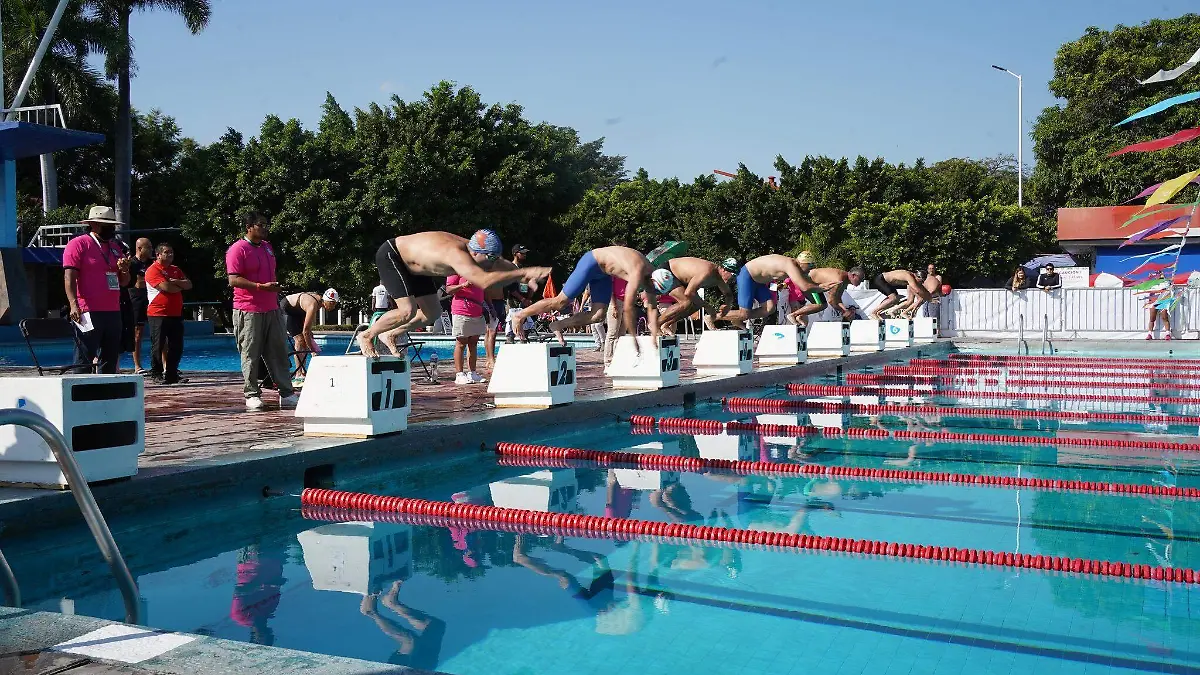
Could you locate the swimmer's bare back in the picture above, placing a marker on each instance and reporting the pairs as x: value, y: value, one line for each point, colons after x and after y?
x: 774, y: 267
x: 687, y: 270
x: 433, y: 254
x: 623, y: 262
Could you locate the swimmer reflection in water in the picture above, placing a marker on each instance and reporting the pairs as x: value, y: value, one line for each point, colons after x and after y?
x: 418, y: 644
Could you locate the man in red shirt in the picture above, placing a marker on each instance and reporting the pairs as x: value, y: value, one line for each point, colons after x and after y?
x: 165, y: 284
x: 94, y: 270
x: 257, y: 324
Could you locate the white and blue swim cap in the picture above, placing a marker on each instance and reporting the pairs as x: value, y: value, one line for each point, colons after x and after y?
x: 485, y: 242
x: 730, y: 265
x: 663, y: 281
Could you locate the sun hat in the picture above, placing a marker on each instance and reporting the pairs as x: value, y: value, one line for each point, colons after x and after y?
x: 330, y: 295
x: 663, y: 280
x: 486, y: 242
x: 102, y: 214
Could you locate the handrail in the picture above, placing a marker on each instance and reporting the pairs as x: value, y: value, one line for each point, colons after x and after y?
x: 87, y: 503
x: 1046, y: 334
x: 1021, y: 336
x: 12, y: 592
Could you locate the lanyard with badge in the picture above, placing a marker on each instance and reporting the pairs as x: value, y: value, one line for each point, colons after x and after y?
x: 114, y: 283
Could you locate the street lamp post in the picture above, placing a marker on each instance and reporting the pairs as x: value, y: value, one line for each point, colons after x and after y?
x: 1020, y: 137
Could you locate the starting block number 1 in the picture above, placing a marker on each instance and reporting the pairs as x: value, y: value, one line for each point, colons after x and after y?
x: 388, y: 396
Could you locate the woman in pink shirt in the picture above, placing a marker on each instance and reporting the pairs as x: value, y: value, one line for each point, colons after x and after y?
x: 467, y: 324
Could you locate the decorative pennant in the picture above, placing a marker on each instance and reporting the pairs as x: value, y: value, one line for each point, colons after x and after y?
x: 1160, y: 106
x: 1170, y: 188
x: 1152, y: 256
x: 1177, y: 138
x: 1153, y: 229
x: 1168, y: 75
x: 1150, y: 284
x: 1144, y: 193
x: 1149, y: 267
x: 1153, y: 212
x: 1167, y: 303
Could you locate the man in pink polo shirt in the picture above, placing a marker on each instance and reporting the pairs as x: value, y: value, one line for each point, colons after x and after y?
x: 257, y: 324
x: 94, y: 270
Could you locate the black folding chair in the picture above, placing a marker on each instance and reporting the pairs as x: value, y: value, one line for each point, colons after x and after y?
x: 268, y: 382
x: 45, y: 330
x: 415, y: 345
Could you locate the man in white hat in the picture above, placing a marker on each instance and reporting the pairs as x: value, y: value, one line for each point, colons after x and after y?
x: 94, y: 269
x: 300, y: 315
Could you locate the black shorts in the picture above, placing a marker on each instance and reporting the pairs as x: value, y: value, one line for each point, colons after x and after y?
x: 883, y: 286
x: 293, y: 318
x: 139, y: 311
x: 399, y: 281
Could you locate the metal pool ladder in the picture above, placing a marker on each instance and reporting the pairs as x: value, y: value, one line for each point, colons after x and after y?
x: 1021, y: 336
x: 87, y: 506
x: 1045, y: 336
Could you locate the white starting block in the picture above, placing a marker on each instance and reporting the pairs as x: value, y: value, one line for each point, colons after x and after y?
x: 925, y: 329
x: 535, y: 375
x: 357, y: 557
x: 538, y: 491
x: 897, y: 333
x: 724, y: 353
x: 828, y: 339
x: 103, y: 418
x: 355, y: 396
x: 866, y: 335
x: 657, y: 367
x: 785, y: 345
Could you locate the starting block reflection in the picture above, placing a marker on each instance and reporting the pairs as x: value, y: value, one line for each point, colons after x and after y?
x: 785, y: 345
x: 535, y: 375
x: 648, y: 480
x: 727, y: 446
x: 724, y: 353
x: 357, y: 557
x: 550, y: 491
x: 656, y: 367
x: 355, y: 396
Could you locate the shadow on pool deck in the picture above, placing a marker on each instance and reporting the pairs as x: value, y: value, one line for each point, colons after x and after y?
x: 207, y: 417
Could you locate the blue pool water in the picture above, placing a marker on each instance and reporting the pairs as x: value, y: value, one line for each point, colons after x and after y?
x: 471, y: 600
x: 209, y: 353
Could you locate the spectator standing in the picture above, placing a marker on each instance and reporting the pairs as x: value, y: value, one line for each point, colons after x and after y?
x: 143, y: 257
x: 467, y: 324
x: 257, y: 325
x: 165, y: 284
x: 94, y: 269
x: 1156, y: 313
x: 381, y: 302
x: 1019, y: 282
x: 1049, y: 280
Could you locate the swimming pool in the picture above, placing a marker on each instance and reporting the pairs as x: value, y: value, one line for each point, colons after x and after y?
x: 218, y: 353
x: 477, y: 600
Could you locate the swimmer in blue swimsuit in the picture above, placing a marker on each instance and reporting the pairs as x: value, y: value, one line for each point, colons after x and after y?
x: 595, y: 271
x: 753, y: 285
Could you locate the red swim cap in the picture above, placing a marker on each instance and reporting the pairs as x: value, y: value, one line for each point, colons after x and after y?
x: 946, y: 289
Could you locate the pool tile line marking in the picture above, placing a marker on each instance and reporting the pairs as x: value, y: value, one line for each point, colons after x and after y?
x: 544, y: 455
x: 803, y: 389
x: 598, y: 527
x: 763, y: 405
x: 715, y: 427
x: 123, y: 643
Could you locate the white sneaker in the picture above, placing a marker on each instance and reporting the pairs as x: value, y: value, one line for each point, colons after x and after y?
x: 462, y: 378
x: 289, y: 401
x: 254, y: 403
x: 476, y: 378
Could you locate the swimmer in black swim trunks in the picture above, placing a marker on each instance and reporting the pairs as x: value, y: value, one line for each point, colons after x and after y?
x: 832, y: 281
x: 411, y: 268
x: 886, y: 282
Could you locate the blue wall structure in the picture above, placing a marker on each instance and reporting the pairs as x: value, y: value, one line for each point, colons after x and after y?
x: 1108, y: 259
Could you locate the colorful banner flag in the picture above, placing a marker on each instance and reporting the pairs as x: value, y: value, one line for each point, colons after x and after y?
x: 1170, y: 188
x: 1160, y: 106
x: 1154, y: 212
x: 1149, y: 267
x: 1144, y: 193
x: 1151, y: 284
x: 1153, y: 229
x: 1151, y: 256
x: 1168, y: 75
x: 1163, y: 143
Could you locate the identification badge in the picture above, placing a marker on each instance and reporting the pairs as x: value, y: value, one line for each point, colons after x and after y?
x: 114, y: 284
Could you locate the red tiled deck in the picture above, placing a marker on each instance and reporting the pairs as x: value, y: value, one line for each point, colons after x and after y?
x: 207, y: 417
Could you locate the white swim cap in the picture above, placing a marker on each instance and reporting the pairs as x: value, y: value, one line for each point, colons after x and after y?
x: 663, y: 280
x: 329, y: 295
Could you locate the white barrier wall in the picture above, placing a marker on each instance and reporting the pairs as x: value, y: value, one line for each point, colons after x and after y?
x: 1072, y: 313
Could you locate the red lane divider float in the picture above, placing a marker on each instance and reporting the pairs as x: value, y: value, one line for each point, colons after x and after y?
x: 540, y: 455
x: 1008, y: 358
x: 966, y: 380
x: 767, y: 405
x: 849, y: 390
x: 1074, y: 374
x: 617, y: 528
x: 709, y: 427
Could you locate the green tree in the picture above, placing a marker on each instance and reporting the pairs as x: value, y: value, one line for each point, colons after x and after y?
x: 1097, y: 77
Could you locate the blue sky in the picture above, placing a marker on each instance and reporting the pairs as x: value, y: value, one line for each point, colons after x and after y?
x: 680, y: 88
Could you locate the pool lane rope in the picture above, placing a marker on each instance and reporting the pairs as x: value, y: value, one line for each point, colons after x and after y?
x: 378, y: 507
x: 714, y: 427
x: 943, y: 381
x: 524, y: 454
x: 800, y: 389
x: 769, y: 405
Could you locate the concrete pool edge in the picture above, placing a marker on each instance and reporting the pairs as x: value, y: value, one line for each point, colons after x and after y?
x: 283, y: 465
x: 27, y: 631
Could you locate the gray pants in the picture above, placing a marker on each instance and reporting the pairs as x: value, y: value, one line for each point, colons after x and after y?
x: 613, y: 328
x: 261, y: 335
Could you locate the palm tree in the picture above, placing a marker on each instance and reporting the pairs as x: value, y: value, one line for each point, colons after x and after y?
x: 64, y: 77
x: 119, y: 66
